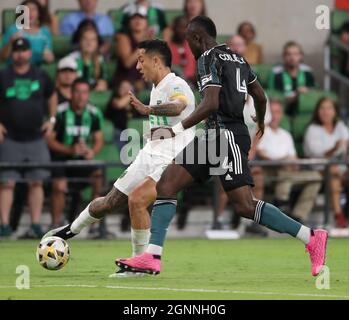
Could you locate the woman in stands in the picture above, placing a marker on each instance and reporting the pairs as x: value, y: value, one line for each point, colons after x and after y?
x: 50, y: 20
x: 38, y: 34
x: 91, y: 64
x: 193, y: 8
x: 328, y: 137
x: 127, y: 53
x: 254, y: 51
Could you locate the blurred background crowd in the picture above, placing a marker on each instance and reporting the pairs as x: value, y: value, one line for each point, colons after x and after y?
x: 64, y: 86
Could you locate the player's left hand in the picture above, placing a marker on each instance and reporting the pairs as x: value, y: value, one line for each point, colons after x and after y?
x: 139, y: 106
x: 162, y: 133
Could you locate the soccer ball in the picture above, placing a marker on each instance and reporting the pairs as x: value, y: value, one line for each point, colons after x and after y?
x: 53, y: 253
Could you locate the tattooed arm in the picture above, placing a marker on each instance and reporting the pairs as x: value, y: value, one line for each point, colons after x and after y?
x: 170, y: 109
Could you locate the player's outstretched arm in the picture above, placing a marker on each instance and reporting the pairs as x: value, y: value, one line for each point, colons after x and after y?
x: 260, y: 103
x: 172, y: 108
x: 208, y: 105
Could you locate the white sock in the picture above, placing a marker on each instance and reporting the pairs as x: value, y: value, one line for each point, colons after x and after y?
x: 83, y: 220
x: 304, y: 234
x: 154, y: 249
x: 140, y: 240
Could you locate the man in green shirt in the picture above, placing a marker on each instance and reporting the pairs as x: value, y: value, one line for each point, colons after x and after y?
x: 77, y: 123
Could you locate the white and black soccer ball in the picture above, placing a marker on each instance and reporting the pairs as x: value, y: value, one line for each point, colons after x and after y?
x: 53, y: 253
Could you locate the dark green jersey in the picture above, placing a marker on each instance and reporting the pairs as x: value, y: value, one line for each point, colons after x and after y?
x: 70, y: 127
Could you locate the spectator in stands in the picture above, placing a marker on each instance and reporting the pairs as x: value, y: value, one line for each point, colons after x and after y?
x: 50, y: 20
x: 119, y: 110
x: 278, y: 144
x: 38, y: 34
x: 104, y: 44
x: 66, y: 74
x: 237, y: 44
x: 25, y: 93
x: 88, y: 8
x: 292, y: 77
x: 194, y: 8
x: 254, y: 51
x: 154, y: 13
x: 77, y: 123
x: 344, y: 55
x: 328, y: 137
x: 183, y: 61
x: 91, y: 64
x: 127, y: 52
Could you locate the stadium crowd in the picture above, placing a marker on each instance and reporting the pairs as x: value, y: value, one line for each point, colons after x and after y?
x: 69, y: 100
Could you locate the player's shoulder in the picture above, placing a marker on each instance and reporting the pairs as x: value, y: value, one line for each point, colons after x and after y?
x: 177, y: 82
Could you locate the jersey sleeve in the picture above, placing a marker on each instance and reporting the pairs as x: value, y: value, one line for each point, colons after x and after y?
x: 252, y: 77
x: 209, y: 71
x: 177, y: 91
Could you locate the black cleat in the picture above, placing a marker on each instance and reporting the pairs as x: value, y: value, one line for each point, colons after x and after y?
x: 62, y: 232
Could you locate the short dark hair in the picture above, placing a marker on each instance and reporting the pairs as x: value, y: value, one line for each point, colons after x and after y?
x: 207, y: 24
x: 80, y: 81
x: 158, y: 47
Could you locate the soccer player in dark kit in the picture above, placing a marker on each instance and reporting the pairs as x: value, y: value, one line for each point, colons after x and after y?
x: 225, y: 79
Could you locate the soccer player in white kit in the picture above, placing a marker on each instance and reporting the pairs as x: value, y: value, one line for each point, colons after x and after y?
x: 171, y: 101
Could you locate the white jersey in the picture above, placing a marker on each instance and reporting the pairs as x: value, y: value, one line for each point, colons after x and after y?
x: 170, y: 87
x: 156, y: 155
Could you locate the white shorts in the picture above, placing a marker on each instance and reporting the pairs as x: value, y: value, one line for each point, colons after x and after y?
x: 145, y: 165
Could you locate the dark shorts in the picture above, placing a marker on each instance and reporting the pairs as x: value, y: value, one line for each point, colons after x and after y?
x: 218, y: 154
x: 33, y: 151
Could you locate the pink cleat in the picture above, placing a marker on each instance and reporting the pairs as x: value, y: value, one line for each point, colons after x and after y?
x: 317, y: 250
x: 145, y: 263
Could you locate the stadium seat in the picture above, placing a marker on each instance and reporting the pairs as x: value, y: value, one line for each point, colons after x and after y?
x: 116, y: 15
x: 144, y: 96
x: 171, y: 14
x: 61, y: 46
x: 274, y: 94
x: 308, y: 100
x: 108, y: 131
x: 222, y: 38
x: 262, y: 71
x: 51, y: 70
x: 111, y: 67
x: 299, y: 126
x: 110, y: 153
x: 8, y: 17
x: 338, y: 17
x: 101, y: 99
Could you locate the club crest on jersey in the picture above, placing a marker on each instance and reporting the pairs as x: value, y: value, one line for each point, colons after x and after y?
x: 158, y: 102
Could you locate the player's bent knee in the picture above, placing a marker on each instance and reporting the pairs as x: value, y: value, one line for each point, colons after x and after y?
x: 245, y: 210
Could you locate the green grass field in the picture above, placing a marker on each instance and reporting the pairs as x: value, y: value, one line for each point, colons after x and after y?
x: 192, y: 269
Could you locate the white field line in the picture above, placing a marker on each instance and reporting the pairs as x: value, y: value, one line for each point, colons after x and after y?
x: 261, y: 293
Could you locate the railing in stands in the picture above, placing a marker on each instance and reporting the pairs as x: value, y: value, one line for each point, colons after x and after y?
x: 314, y: 164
